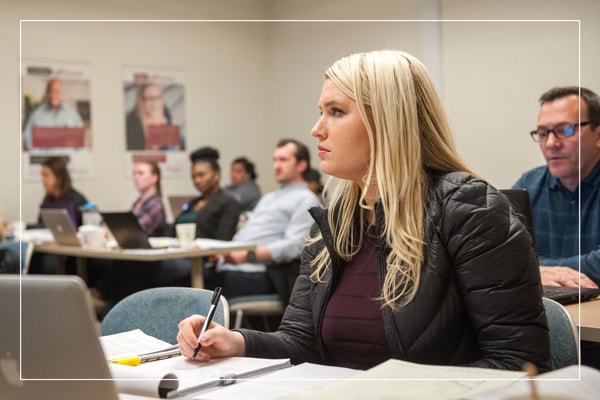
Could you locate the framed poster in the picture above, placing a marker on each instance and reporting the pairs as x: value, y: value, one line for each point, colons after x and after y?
x: 154, y: 102
x: 56, y: 117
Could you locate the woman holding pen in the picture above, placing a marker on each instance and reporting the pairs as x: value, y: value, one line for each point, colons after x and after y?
x: 415, y: 258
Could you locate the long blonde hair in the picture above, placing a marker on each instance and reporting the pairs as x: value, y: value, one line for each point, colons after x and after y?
x: 408, y: 132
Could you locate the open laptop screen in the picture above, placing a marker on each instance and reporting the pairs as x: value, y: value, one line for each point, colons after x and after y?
x: 49, y: 346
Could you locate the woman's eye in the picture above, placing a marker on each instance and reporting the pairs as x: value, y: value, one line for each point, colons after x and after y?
x: 336, y: 112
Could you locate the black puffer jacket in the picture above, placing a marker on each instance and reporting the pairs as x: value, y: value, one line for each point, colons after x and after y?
x: 479, y: 299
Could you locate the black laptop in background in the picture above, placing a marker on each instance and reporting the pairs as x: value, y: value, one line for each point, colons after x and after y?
x: 519, y: 198
x: 126, y: 230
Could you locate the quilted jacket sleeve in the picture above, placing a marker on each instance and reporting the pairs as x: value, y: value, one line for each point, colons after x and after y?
x: 498, y: 276
x: 295, y: 338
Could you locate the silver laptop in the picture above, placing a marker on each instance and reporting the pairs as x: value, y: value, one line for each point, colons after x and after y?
x: 49, y: 346
x: 177, y: 204
x: 61, y: 226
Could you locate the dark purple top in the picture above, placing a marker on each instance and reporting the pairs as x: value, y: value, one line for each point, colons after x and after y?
x: 353, y: 325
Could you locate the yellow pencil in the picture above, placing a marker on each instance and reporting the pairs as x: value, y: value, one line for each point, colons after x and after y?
x: 133, y: 361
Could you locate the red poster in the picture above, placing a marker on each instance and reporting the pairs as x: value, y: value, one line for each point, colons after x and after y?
x: 46, y: 137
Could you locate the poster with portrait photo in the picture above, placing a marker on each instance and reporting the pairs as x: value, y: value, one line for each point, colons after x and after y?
x: 56, y: 117
x: 154, y: 106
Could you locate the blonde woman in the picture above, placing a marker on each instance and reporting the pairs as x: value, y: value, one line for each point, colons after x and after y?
x: 415, y: 258
x: 149, y: 110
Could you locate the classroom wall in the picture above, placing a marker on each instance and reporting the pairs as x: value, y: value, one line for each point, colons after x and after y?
x: 220, y: 61
x: 492, y: 68
x: 494, y: 73
x: 250, y: 83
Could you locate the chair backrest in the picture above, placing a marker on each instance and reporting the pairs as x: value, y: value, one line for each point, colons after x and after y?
x: 22, y: 249
x: 283, y: 276
x: 564, y: 343
x: 158, y: 311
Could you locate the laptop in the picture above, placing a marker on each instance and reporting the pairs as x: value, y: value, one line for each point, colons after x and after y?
x: 49, y: 346
x: 60, y: 224
x: 126, y: 230
x: 519, y: 198
x: 569, y: 295
x: 177, y: 203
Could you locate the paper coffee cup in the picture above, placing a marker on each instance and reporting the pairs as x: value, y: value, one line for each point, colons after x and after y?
x: 186, y: 233
x: 92, y: 237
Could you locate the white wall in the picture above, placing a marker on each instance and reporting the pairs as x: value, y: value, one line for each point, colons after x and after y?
x: 226, y: 82
x: 494, y: 73
x: 251, y: 83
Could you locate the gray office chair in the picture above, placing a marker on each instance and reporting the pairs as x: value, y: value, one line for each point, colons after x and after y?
x: 283, y: 276
x: 564, y: 342
x: 158, y: 311
x: 263, y: 305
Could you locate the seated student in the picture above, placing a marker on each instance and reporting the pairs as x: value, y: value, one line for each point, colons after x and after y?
x: 278, y: 225
x: 565, y: 193
x: 214, y: 212
x: 59, y: 193
x: 553, y: 188
x: 243, y: 185
x: 216, y: 216
x: 415, y: 258
x: 149, y: 208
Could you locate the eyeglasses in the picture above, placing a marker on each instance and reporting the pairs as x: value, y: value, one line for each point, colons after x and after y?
x: 560, y: 131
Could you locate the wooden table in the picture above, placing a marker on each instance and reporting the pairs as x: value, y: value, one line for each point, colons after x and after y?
x: 195, y: 255
x: 587, y: 317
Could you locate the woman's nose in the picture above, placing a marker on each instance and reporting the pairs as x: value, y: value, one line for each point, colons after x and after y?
x: 317, y: 129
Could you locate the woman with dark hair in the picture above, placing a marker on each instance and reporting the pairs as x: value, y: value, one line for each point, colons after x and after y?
x: 59, y: 191
x: 243, y: 185
x: 215, y: 213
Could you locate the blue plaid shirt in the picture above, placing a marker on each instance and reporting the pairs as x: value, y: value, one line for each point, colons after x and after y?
x: 557, y: 223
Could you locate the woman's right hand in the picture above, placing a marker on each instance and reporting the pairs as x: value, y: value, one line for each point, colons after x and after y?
x: 217, y: 341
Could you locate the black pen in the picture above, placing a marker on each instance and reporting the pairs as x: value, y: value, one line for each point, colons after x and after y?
x: 211, y: 312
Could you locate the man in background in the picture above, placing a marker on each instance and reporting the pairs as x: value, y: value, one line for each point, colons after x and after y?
x: 568, y: 133
x: 278, y: 226
x: 51, y: 113
x: 565, y: 120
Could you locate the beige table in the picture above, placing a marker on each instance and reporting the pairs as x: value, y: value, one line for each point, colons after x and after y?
x: 589, y: 319
x: 194, y: 254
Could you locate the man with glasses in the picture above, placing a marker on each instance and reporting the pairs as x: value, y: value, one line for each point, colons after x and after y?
x: 565, y: 193
x: 566, y: 120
